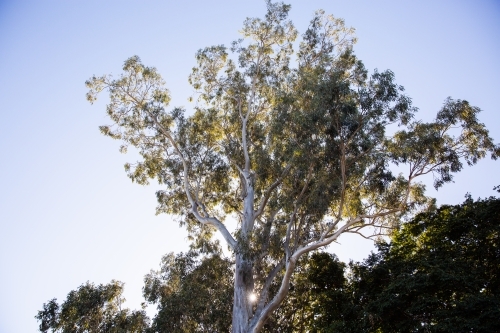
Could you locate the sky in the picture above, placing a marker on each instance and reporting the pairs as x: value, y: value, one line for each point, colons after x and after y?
x: 69, y: 214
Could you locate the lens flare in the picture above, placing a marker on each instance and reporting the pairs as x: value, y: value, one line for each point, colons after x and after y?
x: 252, y: 297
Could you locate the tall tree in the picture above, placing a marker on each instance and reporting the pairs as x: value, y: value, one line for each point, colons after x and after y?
x: 297, y: 151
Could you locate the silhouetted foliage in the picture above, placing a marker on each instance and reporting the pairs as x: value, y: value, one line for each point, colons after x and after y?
x: 440, y: 273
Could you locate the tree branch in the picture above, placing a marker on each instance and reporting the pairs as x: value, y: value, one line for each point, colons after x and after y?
x: 268, y: 192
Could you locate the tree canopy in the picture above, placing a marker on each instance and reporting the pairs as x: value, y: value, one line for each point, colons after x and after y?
x: 296, y: 150
x: 440, y: 273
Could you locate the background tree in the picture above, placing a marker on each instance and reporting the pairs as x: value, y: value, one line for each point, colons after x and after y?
x: 440, y: 273
x: 297, y: 152
x: 92, y: 309
x: 192, y: 293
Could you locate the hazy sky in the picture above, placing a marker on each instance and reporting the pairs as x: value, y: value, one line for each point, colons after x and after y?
x: 69, y: 214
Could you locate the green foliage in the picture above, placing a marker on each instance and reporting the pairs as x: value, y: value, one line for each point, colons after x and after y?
x: 297, y: 151
x: 318, y: 280
x: 192, y: 294
x: 92, y: 309
x: 429, y: 143
x: 440, y: 273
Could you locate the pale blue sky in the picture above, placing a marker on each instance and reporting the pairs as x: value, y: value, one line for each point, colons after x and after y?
x: 69, y: 214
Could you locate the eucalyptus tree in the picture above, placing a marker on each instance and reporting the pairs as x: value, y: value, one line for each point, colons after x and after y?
x: 294, y: 149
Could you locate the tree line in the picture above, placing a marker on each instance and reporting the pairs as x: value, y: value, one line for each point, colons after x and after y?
x: 439, y: 273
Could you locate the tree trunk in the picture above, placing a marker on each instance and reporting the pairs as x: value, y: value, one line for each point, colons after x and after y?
x: 243, y: 286
x: 243, y: 273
